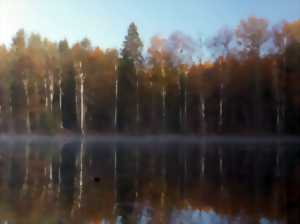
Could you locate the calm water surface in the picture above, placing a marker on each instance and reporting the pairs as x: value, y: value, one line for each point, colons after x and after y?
x: 149, y: 182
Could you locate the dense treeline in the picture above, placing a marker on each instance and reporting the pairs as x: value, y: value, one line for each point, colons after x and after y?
x: 251, y: 86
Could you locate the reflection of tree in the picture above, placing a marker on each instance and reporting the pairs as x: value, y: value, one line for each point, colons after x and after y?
x: 126, y: 182
x: 151, y: 181
x: 67, y: 174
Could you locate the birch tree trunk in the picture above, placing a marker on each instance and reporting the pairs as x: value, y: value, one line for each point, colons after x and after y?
x: 82, y: 104
x: 203, y: 114
x: 28, y: 125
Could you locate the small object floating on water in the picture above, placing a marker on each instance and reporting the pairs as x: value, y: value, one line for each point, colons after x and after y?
x: 97, y: 179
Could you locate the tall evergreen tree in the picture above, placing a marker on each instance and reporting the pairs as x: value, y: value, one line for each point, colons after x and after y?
x: 128, y: 84
x: 133, y: 46
x: 69, y: 116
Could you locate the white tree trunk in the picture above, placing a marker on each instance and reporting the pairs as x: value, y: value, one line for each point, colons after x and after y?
x: 221, y: 105
x: 164, y: 93
x: 185, y: 107
x: 138, y: 116
x: 116, y: 105
x: 203, y: 114
x: 60, y: 93
x: 60, y: 99
x: 51, y: 89
x: 82, y: 103
x: 25, y: 82
x: 46, y: 93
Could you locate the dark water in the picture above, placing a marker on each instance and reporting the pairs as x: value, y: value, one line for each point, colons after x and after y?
x: 166, y: 182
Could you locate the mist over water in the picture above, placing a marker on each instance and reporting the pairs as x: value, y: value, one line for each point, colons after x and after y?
x: 220, y: 180
x: 164, y: 128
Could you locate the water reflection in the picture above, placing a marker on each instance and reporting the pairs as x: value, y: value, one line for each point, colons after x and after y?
x: 93, y: 182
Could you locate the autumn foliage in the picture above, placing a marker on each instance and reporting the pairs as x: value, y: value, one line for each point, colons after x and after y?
x: 248, y: 85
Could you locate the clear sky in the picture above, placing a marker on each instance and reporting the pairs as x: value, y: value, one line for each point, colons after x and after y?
x: 105, y: 21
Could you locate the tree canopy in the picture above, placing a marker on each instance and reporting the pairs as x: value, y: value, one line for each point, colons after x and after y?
x: 250, y: 84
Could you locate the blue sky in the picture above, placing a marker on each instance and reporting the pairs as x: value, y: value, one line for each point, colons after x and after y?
x: 106, y: 22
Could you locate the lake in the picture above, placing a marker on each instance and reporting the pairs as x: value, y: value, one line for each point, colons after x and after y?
x: 149, y: 181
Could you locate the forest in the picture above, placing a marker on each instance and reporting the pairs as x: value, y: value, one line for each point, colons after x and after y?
x: 250, y: 83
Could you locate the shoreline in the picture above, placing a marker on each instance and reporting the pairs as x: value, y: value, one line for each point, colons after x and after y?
x: 158, y: 139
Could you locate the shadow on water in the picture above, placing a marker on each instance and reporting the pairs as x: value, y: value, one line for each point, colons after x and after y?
x: 168, y: 182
